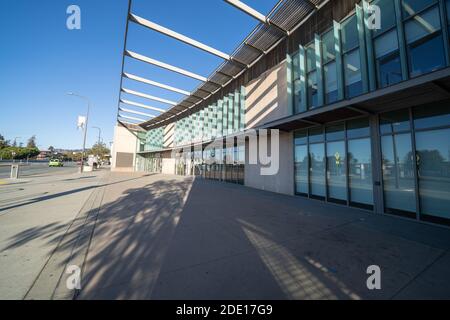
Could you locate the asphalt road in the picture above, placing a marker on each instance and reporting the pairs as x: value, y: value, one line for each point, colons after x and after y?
x: 37, y: 169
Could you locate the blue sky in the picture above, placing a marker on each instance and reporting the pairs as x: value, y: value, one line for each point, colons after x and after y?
x: 41, y: 60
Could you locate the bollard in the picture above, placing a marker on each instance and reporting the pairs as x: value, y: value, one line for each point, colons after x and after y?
x: 14, y: 171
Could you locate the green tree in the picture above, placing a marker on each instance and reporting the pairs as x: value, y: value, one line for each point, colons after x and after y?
x: 99, y: 149
x: 32, y: 142
x: 3, y: 143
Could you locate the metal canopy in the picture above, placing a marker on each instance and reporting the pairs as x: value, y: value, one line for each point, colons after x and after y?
x: 285, y: 18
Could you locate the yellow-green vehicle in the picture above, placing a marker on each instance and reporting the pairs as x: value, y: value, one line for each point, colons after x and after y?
x: 55, y: 163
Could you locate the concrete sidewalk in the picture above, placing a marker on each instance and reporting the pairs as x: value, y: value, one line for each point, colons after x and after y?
x: 169, y: 237
x: 35, y: 215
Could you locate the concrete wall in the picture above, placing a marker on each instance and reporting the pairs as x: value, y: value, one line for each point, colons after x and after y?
x: 168, y: 166
x: 266, y: 97
x: 124, y: 145
x: 283, y: 181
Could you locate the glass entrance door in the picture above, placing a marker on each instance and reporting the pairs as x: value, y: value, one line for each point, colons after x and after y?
x: 317, y: 177
x: 336, y: 171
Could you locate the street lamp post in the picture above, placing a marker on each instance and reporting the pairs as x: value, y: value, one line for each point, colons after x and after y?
x: 85, y: 126
x: 99, y: 134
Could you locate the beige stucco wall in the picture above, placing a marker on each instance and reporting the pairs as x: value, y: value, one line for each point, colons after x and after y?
x: 168, y: 166
x: 125, y: 142
x: 266, y: 97
x: 283, y: 181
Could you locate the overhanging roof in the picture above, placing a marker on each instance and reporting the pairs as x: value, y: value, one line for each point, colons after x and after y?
x: 285, y: 17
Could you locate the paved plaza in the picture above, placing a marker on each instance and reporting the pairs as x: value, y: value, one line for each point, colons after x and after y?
x: 152, y: 236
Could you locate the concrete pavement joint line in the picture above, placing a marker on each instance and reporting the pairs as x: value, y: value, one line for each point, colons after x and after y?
x: 93, y: 212
x: 39, y: 287
x: 54, y: 252
x: 443, y: 253
x: 91, y: 236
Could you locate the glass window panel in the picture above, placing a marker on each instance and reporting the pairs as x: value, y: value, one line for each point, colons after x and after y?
x: 296, y: 66
x: 300, y: 137
x: 385, y: 44
x: 336, y: 132
x: 358, y: 128
x: 427, y: 56
x: 433, y: 159
x: 317, y: 158
x: 331, y: 87
x: 301, y: 169
x: 411, y: 7
x: 422, y: 25
x: 349, y: 34
x: 389, y: 70
x: 313, y: 100
x: 398, y: 172
x: 431, y: 116
x: 298, y: 97
x: 316, y: 135
x: 328, y: 47
x: 394, y: 121
x: 360, y: 171
x: 447, y: 6
x: 311, y: 58
x: 353, y: 79
x: 388, y: 19
x: 336, y: 170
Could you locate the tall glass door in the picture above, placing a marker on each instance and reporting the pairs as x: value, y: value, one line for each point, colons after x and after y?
x: 398, y: 173
x: 336, y: 171
x: 317, y: 168
x: 360, y: 172
x: 301, y: 169
x: 433, y: 161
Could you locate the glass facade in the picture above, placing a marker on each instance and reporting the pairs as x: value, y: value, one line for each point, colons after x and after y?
x: 386, y: 46
x: 329, y: 67
x: 313, y: 101
x: 355, y: 59
x: 335, y: 163
x: 225, y: 117
x: 423, y: 35
x: 416, y: 162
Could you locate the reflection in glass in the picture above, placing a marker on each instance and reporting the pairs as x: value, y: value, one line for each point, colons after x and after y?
x: 349, y: 34
x: 312, y: 89
x: 394, y: 121
x: 317, y: 156
x: 336, y: 171
x: 433, y: 160
x: 360, y: 171
x: 387, y: 59
x: 353, y: 79
x: 410, y: 7
x: 301, y: 169
x: 398, y: 172
x: 425, y: 45
x: 328, y: 47
x: 431, y: 116
x: 331, y: 87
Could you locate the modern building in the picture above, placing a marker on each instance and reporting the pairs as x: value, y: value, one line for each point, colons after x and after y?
x: 363, y: 113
